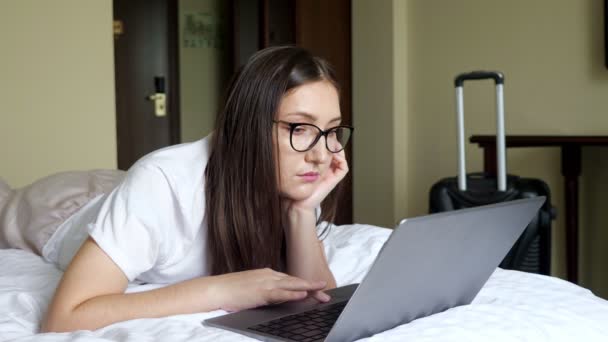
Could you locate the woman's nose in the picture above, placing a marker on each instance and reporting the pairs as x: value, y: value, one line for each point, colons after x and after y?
x: 318, y: 153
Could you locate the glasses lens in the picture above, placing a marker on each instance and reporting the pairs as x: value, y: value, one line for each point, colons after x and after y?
x: 303, y: 136
x: 338, y: 138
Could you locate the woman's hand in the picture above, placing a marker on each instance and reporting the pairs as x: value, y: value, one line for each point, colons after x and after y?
x: 249, y: 289
x: 91, y: 293
x: 338, y: 168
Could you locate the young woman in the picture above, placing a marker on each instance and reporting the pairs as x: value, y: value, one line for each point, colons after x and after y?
x: 227, y: 222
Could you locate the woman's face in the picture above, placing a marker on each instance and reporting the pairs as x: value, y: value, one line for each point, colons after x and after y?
x: 315, y: 103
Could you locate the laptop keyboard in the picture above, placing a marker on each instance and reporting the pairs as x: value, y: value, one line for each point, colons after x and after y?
x: 307, y: 326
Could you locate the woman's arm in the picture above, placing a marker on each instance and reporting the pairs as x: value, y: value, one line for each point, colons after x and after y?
x: 91, y: 293
x: 305, y: 254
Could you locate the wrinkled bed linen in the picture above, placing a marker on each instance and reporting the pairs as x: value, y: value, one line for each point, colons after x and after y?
x: 512, y: 306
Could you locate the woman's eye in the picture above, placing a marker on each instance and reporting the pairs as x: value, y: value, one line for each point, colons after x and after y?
x: 299, y: 130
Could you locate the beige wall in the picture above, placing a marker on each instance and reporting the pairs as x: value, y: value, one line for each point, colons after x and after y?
x: 556, y: 83
x: 203, y: 66
x: 56, y: 88
x: 373, y: 112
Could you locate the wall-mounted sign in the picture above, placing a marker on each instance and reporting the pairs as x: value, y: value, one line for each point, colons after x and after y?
x: 201, y: 30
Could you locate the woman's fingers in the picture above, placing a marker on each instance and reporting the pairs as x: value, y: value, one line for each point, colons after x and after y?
x: 281, y: 295
x: 277, y: 296
x: 292, y: 288
x: 280, y: 274
x: 298, y: 284
x: 320, y: 296
x: 249, y: 289
x: 339, y: 163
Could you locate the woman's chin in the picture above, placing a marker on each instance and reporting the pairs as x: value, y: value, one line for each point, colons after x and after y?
x: 299, y: 193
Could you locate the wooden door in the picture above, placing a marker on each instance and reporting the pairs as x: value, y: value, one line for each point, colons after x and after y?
x: 145, y: 48
x: 324, y: 28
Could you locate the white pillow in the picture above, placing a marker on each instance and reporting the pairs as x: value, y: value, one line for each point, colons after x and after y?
x: 31, y: 214
x: 5, y: 193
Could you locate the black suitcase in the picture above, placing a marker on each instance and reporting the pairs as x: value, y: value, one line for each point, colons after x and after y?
x: 532, y: 251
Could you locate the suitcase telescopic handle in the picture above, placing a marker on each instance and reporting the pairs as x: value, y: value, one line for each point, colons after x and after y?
x: 500, y: 126
x: 479, y: 75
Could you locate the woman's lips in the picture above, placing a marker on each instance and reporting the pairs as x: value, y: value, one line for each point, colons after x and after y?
x: 309, y: 176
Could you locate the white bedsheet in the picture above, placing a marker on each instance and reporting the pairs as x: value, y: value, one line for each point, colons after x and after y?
x: 512, y: 306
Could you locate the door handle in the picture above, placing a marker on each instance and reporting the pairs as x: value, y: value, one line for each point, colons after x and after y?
x: 159, y: 97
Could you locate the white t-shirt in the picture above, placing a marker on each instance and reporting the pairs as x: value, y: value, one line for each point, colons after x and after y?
x: 152, y: 224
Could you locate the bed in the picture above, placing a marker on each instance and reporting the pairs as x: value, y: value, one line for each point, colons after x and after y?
x: 512, y: 306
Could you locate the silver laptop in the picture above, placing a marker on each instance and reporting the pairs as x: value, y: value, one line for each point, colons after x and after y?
x: 429, y: 264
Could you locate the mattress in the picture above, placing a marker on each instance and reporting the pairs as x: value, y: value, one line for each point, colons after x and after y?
x: 512, y: 306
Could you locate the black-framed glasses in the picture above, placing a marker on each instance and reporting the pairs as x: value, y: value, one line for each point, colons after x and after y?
x: 304, y: 136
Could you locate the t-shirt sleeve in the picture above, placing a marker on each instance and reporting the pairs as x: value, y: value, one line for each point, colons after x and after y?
x: 129, y: 226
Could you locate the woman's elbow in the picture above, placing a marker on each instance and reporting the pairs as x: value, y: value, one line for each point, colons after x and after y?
x: 56, y: 324
x: 50, y: 326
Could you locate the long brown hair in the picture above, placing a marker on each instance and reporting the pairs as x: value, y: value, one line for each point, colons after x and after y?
x: 243, y: 209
